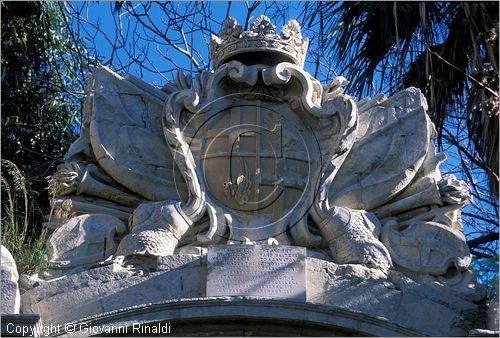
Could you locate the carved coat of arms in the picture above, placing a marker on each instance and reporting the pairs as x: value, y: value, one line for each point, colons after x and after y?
x: 259, y: 151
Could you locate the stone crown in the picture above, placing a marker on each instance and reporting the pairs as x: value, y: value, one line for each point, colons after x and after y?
x: 232, y: 41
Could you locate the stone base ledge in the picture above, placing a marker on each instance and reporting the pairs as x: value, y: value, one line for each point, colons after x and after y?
x: 348, y: 299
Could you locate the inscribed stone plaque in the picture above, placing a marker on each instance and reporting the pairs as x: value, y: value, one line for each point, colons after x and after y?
x: 256, y: 270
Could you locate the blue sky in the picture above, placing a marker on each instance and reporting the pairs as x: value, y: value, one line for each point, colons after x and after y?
x: 100, y: 13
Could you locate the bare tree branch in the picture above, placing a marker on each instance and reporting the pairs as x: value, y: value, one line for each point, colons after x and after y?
x: 492, y: 236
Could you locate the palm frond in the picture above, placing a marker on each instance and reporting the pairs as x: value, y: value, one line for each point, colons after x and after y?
x: 435, y: 46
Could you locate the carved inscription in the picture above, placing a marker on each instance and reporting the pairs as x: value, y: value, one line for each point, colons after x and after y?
x: 256, y: 270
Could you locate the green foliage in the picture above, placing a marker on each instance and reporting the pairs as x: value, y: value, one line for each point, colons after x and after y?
x: 43, y: 68
x: 27, y: 248
x: 358, y: 280
x: 487, y: 273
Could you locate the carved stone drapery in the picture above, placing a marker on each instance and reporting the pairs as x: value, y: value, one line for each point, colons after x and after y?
x: 262, y: 152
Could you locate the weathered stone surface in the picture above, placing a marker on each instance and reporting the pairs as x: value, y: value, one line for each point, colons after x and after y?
x: 387, y: 153
x: 256, y: 270
x: 353, y: 289
x: 11, y: 299
x: 244, y: 316
x: 352, y: 236
x: 156, y: 230
x: 84, y: 240
x: 114, y: 287
x: 418, y: 248
x: 483, y: 333
x: 395, y: 297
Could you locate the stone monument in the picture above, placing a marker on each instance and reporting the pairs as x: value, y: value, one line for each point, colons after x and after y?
x: 255, y: 200
x: 11, y: 299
